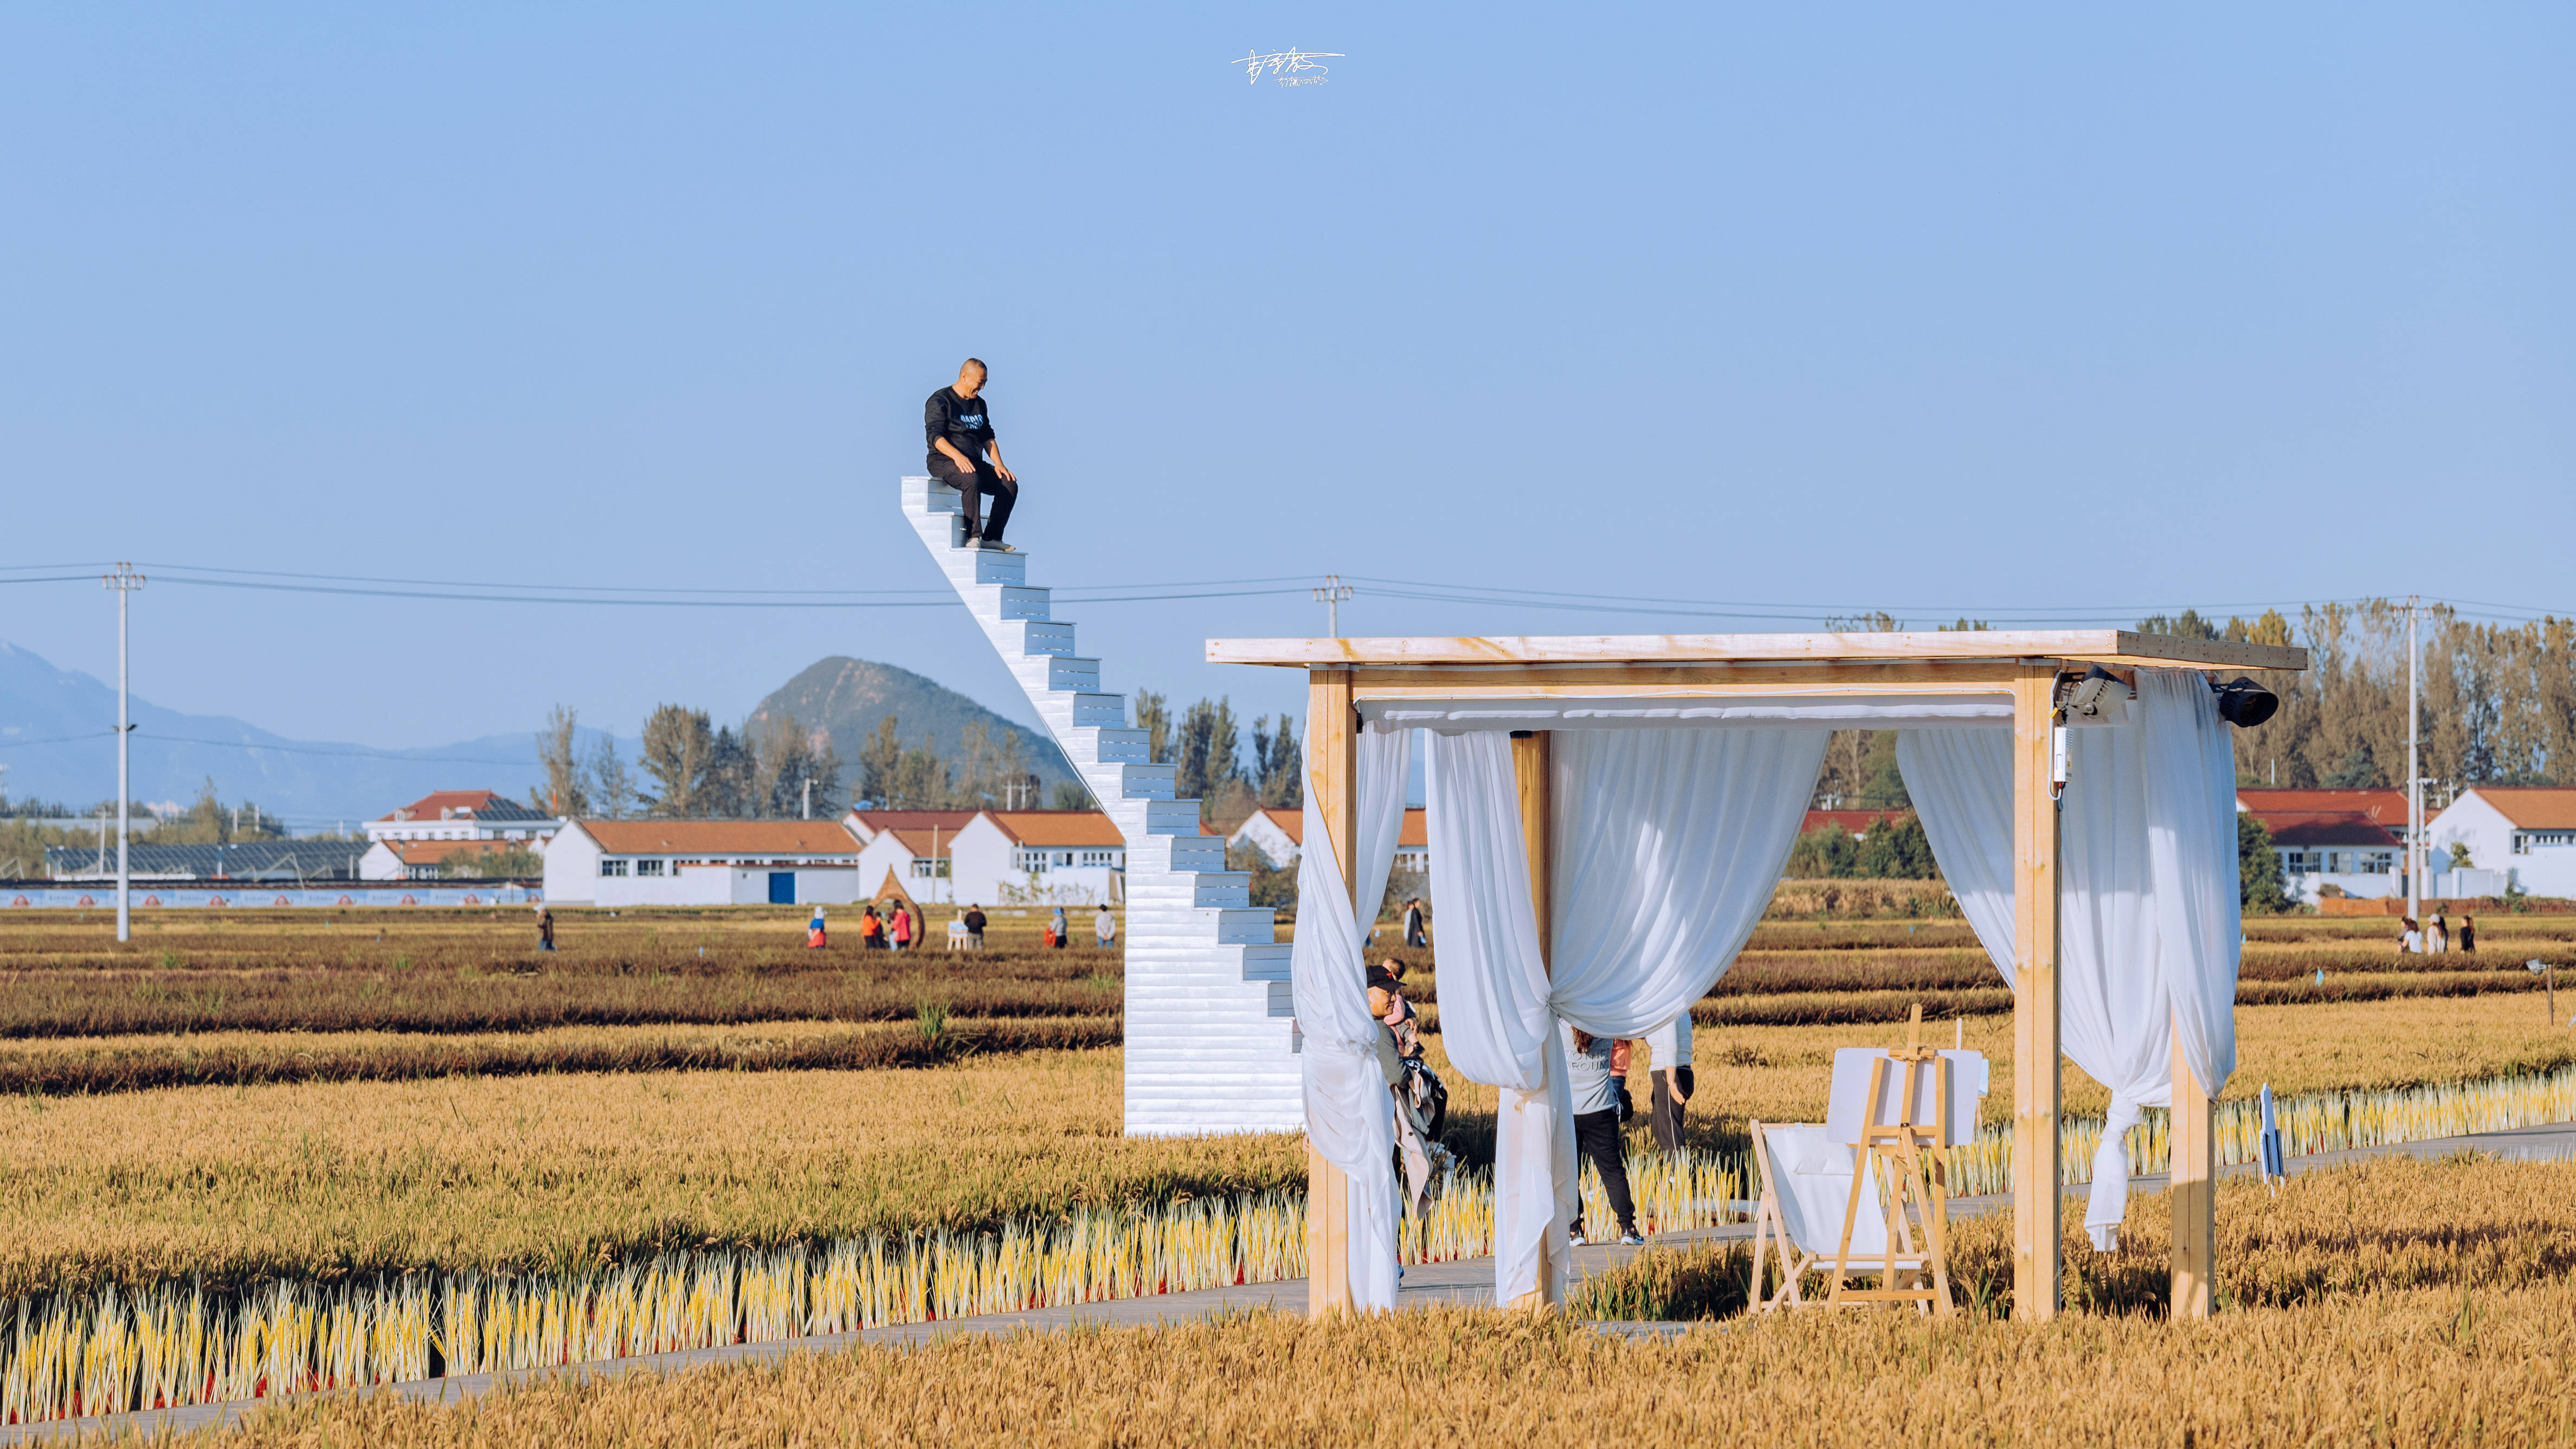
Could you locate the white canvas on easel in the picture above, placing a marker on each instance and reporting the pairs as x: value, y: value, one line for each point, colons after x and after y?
x: 1847, y: 1109
x: 1902, y: 1110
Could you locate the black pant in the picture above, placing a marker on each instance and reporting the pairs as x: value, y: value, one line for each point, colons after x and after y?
x: 1596, y: 1135
x: 970, y: 487
x: 1666, y: 1115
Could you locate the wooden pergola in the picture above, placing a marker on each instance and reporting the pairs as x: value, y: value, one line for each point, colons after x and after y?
x: 2030, y: 667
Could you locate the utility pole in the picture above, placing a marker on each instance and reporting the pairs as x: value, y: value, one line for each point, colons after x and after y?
x: 125, y: 581
x: 2414, y: 786
x: 1331, y: 596
x: 809, y: 801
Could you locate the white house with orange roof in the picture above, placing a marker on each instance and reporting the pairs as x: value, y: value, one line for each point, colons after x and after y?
x: 466, y: 815
x: 703, y: 863
x: 2522, y: 833
x: 1038, y: 857
x: 1278, y: 832
x: 915, y: 846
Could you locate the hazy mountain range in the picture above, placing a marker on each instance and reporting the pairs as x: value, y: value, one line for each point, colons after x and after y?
x: 58, y: 740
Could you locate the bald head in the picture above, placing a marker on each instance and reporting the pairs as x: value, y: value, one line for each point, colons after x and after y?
x: 970, y: 377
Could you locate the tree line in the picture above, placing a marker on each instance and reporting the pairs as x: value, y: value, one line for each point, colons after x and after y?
x: 691, y: 767
x: 1207, y: 745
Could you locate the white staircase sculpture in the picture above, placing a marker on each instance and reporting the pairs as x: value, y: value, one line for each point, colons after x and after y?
x: 1210, y: 1042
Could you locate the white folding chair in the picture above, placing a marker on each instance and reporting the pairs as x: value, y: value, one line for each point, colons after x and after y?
x: 1806, y: 1188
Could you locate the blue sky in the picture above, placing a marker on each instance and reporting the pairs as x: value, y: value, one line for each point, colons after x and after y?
x: 1991, y: 309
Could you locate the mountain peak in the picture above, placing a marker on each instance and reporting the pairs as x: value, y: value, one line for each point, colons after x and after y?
x: 848, y: 698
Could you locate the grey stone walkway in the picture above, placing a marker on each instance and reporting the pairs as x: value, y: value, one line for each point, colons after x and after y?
x: 1466, y: 1282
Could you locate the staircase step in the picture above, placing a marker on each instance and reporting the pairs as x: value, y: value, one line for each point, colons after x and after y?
x: 1176, y: 817
x: 925, y: 494
x: 1147, y: 782
x: 1113, y: 746
x: 1266, y: 963
x: 1102, y: 710
x: 1008, y: 602
x: 1175, y: 852
x: 992, y: 566
x: 1065, y: 671
x: 1046, y: 636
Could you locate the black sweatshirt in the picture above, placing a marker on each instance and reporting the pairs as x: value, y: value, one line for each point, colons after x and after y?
x: 965, y: 422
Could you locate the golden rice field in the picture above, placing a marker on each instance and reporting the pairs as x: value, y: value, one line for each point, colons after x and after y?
x: 2399, y: 1303
x: 172, y: 1344
x: 326, y: 1180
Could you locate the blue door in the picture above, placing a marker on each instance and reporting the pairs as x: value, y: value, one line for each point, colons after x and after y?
x: 782, y: 887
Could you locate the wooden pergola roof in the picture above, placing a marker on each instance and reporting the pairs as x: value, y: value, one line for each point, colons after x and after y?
x: 2110, y: 647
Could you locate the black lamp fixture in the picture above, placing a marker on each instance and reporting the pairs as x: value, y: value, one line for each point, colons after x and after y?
x: 2245, y: 704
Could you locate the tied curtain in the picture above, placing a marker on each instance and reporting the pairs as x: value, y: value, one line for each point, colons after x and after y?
x: 2150, y: 924
x: 1667, y: 844
x: 1350, y: 1117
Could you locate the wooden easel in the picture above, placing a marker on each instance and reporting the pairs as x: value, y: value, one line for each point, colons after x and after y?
x: 1903, y: 1151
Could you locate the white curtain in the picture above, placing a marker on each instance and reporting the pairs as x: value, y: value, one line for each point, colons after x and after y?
x: 1494, y: 1017
x: 1350, y: 1118
x: 1668, y: 845
x: 2148, y: 893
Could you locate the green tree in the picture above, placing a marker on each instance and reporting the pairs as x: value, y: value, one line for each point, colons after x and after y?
x: 1883, y: 786
x: 1824, y: 853
x: 2258, y: 867
x: 1278, y: 773
x: 789, y: 761
x: 1897, y: 849
x: 1206, y: 751
x: 2358, y: 771
x: 1071, y: 795
x: 677, y: 742
x: 728, y: 783
x: 1154, y: 717
x: 2186, y: 625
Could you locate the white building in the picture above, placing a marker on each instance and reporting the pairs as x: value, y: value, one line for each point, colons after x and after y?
x: 703, y: 863
x: 1038, y: 857
x: 2522, y: 834
x: 915, y: 846
x: 1278, y: 832
x: 465, y: 815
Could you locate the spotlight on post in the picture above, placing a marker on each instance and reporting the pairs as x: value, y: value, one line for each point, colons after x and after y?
x: 2245, y: 704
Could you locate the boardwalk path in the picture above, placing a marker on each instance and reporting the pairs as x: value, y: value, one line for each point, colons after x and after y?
x: 1467, y: 1282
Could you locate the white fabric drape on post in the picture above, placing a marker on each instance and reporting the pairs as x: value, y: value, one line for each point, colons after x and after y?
x: 1668, y: 844
x: 2148, y: 903
x: 1494, y: 1017
x: 1350, y: 1118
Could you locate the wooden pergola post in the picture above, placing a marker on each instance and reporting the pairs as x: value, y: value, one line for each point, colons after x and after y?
x: 1532, y: 758
x: 2193, y: 1163
x: 2038, y: 1214
x: 1332, y: 775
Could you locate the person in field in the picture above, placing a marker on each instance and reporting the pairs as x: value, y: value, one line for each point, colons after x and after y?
x: 1670, y: 1047
x: 901, y: 934
x: 1058, y: 931
x: 1104, y: 927
x: 966, y: 456
x: 975, y: 928
x: 545, y: 928
x: 1596, y: 1127
x: 814, y: 931
x: 1413, y: 933
x: 2468, y: 935
x: 871, y: 930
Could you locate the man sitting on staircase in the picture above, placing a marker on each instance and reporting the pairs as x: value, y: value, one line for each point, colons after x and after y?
x: 961, y: 434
